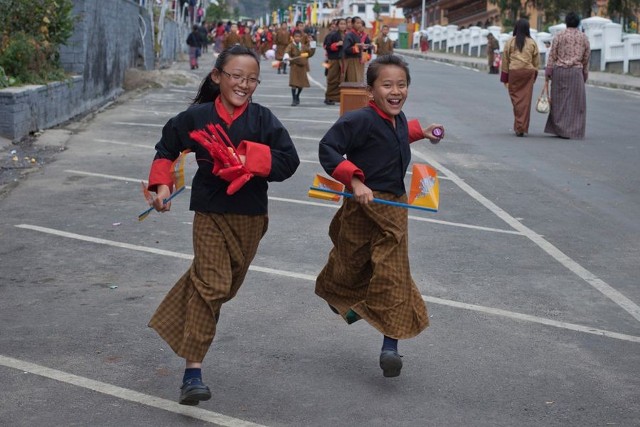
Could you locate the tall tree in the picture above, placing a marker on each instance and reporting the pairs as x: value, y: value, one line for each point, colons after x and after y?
x: 623, y: 11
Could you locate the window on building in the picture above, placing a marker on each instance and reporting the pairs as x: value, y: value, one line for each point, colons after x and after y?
x: 361, y: 8
x: 384, y: 8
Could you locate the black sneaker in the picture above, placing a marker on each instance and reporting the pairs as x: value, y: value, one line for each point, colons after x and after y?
x: 193, y: 391
x: 391, y: 363
x: 329, y: 102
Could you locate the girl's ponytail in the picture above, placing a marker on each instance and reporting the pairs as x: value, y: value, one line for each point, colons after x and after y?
x: 208, y: 92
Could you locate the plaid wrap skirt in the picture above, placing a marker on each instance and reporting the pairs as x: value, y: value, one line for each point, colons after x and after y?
x: 368, y: 268
x: 568, y: 115
x: 224, y: 246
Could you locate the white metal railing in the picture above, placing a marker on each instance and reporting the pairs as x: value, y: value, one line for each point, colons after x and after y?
x: 603, y: 35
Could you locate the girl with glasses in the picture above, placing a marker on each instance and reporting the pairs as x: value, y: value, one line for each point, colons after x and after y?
x: 230, y: 203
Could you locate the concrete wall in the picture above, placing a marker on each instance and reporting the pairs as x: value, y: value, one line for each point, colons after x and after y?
x: 109, y: 37
x: 106, y: 41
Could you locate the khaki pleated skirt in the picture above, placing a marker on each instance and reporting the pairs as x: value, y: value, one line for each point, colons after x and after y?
x: 368, y: 268
x: 224, y: 246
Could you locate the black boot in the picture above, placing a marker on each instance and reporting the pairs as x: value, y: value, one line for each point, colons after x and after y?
x: 295, y: 99
x: 284, y: 68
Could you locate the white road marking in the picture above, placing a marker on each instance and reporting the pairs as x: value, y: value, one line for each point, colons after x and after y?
x: 111, y: 177
x: 138, y: 124
x: 312, y: 138
x: 125, y: 394
x: 294, y: 137
x: 264, y: 95
x: 286, y: 119
x: 532, y: 319
x: 302, y: 106
x: 128, y: 144
x: 308, y: 203
x: 613, y: 294
x: 315, y: 82
x: 310, y: 277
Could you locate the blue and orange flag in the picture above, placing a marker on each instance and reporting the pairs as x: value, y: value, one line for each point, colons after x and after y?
x: 424, y: 194
x: 321, y: 183
x: 425, y: 190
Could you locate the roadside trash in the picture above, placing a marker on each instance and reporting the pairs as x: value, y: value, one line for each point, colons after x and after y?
x: 113, y: 287
x: 13, y: 152
x: 115, y: 224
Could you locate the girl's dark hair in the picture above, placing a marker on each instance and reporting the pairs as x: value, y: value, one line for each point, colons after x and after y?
x: 572, y: 20
x: 521, y: 32
x: 382, y: 61
x: 209, y: 90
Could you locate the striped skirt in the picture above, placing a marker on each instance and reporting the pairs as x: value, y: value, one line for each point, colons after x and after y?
x: 568, y: 115
x: 224, y: 246
x: 521, y: 92
x: 368, y: 268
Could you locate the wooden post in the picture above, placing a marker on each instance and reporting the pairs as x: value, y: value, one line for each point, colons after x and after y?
x: 353, y: 96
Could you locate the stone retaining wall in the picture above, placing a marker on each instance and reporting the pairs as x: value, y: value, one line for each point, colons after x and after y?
x: 109, y: 37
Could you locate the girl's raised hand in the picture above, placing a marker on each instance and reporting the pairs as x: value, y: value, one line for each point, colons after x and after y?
x: 434, y: 132
x: 158, y: 201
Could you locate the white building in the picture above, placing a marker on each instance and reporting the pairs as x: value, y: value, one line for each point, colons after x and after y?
x: 364, y: 9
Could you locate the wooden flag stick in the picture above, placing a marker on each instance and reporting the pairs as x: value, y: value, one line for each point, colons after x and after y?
x: 146, y: 213
x: 375, y: 199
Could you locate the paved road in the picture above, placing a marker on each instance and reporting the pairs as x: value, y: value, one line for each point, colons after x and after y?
x: 530, y: 271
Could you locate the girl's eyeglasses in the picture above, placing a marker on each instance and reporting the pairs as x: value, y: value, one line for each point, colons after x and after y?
x: 252, y: 81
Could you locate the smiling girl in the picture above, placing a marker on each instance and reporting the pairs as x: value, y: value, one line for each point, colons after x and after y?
x: 229, y: 220
x: 367, y: 275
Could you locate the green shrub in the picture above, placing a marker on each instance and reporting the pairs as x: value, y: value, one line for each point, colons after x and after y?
x: 32, y: 32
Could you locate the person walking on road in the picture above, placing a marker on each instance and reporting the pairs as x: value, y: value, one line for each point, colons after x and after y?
x: 520, y: 63
x: 568, y: 70
x: 367, y: 274
x: 282, y: 40
x: 333, y: 46
x: 383, y: 43
x: 492, y: 46
x: 298, y: 54
x: 194, y: 43
x: 230, y: 203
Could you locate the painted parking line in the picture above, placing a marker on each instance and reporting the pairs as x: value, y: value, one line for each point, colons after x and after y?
x: 607, y: 290
x: 124, y: 393
x: 309, y: 203
x: 310, y: 277
x: 282, y: 119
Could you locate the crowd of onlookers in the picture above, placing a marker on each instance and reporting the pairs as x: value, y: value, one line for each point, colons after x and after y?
x: 348, y: 48
x: 222, y: 35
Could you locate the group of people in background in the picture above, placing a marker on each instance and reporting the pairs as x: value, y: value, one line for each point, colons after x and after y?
x: 567, y: 70
x: 348, y: 49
